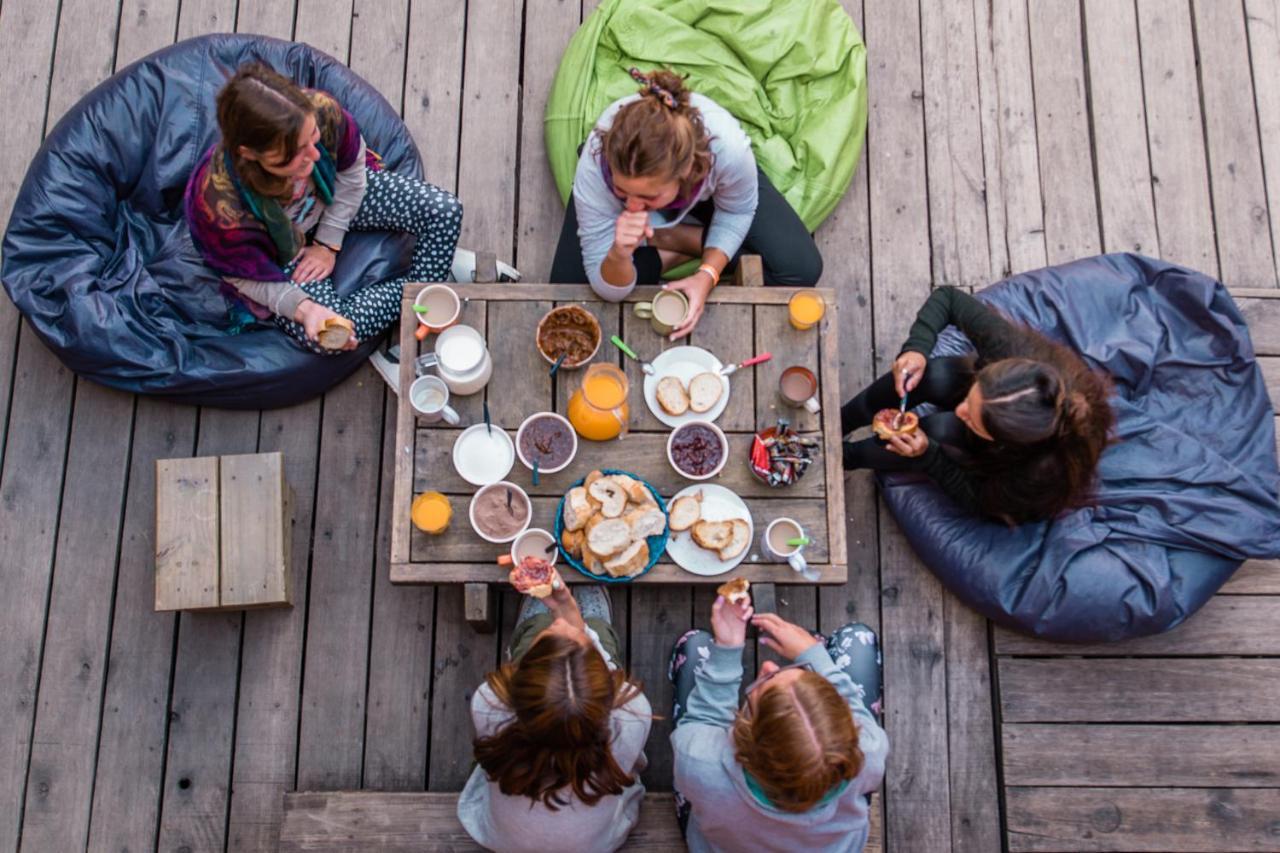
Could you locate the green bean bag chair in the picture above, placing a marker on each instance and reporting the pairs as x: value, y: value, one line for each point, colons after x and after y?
x: 793, y: 72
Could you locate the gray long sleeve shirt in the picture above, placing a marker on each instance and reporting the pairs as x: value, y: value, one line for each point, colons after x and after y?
x: 331, y: 222
x: 727, y: 816
x: 732, y: 186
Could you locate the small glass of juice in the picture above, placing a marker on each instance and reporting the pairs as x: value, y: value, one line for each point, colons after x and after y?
x: 806, y: 309
x: 431, y: 512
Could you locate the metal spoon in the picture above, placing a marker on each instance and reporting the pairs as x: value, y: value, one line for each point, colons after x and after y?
x: 630, y: 353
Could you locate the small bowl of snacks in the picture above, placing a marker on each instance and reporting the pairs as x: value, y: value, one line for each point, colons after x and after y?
x: 570, y: 331
x: 547, y: 439
x: 698, y: 450
x: 780, y: 457
x: 500, y: 512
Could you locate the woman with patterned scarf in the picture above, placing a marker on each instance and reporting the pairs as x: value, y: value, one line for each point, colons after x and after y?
x: 271, y: 202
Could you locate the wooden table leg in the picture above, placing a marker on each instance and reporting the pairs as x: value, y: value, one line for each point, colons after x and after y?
x: 749, y: 272
x: 486, y: 268
x: 478, y: 607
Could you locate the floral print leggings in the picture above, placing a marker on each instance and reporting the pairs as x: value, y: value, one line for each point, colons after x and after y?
x: 855, y: 648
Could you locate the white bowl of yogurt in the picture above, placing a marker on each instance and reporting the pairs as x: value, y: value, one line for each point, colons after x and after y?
x: 483, y: 455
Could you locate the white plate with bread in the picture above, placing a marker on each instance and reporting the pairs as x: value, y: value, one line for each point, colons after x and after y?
x: 686, y: 385
x: 711, y: 529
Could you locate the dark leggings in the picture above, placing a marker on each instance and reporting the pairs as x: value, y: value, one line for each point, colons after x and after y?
x: 945, y: 384
x: 786, y: 248
x: 854, y: 647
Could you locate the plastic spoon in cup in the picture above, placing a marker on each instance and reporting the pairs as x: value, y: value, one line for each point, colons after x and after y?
x: 556, y: 366
x: 630, y: 353
x: 730, y: 369
x: 798, y: 542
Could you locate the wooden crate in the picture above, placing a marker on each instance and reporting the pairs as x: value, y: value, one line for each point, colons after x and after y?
x: 222, y: 533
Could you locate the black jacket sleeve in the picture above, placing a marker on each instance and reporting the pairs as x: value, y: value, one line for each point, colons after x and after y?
x: 957, y: 482
x: 992, y: 335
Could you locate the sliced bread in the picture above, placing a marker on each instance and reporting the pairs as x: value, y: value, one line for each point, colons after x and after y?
x: 577, y: 509
x: 608, y: 537
x: 610, y: 495
x: 740, y: 538
x: 686, y: 511
x: 713, y: 535
x: 704, y: 392
x: 630, y: 561
x: 645, y: 522
x: 672, y: 396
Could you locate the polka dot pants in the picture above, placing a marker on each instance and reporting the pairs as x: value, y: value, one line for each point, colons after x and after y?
x: 391, y: 202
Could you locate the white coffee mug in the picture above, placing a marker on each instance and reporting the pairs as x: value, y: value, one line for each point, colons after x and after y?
x: 461, y: 358
x: 430, y: 397
x: 792, y: 555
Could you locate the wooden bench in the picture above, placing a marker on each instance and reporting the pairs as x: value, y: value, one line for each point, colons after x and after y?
x: 422, y: 822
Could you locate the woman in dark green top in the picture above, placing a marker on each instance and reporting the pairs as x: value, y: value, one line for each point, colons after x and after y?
x: 1020, y: 425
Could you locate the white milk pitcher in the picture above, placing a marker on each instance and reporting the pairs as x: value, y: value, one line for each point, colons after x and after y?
x: 461, y: 358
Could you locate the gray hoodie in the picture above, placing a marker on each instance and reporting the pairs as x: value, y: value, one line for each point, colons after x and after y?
x: 727, y: 816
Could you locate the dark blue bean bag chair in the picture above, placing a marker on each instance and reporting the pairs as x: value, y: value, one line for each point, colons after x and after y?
x: 98, y: 257
x: 1187, y: 493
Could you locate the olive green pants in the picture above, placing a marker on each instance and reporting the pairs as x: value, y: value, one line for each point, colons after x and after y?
x: 523, y: 634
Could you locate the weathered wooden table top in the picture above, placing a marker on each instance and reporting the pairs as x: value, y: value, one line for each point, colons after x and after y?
x: 740, y: 322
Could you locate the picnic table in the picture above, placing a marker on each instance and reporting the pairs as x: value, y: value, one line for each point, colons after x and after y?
x: 739, y: 322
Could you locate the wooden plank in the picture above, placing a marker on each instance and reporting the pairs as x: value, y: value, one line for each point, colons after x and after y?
x: 331, y: 732
x: 426, y: 823
x: 1062, y: 130
x: 202, y: 700
x: 1141, y: 819
x: 1255, y: 577
x: 1134, y: 690
x: 461, y: 544
x: 1175, y: 135
x: 659, y: 615
x: 1092, y: 755
x: 726, y: 330
x: 187, y: 540
x: 30, y: 489
x: 1263, y: 317
x: 490, y: 124
x: 1015, y: 219
x: 83, y: 57
x: 326, y: 25
x: 1262, y: 21
x: 971, y: 731
x: 521, y: 383
x: 399, y: 660
x: 206, y: 16
x: 1119, y: 128
x: 1271, y: 375
x: 433, y: 90
x: 135, y: 702
x: 479, y: 607
x: 271, y: 662
x: 379, y: 37
x: 642, y: 293
x: 551, y: 23
x: 918, y: 810
x: 68, y: 705
x: 145, y: 26
x: 642, y: 452
x: 790, y: 348
x: 404, y: 439
x: 255, y: 518
x: 663, y: 573
x: 1226, y: 625
x: 953, y: 147
x: 1231, y: 135
x: 265, y: 17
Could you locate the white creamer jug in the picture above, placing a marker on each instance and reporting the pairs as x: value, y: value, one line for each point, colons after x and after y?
x: 461, y: 358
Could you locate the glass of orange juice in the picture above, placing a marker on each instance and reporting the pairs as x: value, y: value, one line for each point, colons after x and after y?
x: 806, y: 309
x: 431, y: 512
x: 598, y: 409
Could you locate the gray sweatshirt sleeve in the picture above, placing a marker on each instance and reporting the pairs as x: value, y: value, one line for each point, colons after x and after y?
x: 736, y: 195
x: 279, y: 297
x: 598, y: 209
x: 714, y: 699
x: 871, y: 738
x: 348, y: 193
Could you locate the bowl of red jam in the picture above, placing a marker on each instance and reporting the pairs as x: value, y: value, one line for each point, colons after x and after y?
x: 698, y: 450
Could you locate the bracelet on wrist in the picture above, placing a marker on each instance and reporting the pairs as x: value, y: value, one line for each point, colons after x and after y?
x: 333, y: 249
x: 711, y: 271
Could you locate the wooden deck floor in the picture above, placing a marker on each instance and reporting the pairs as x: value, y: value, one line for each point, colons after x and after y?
x: 1003, y: 135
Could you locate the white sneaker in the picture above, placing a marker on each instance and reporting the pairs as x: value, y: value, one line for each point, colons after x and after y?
x: 389, y: 370
x: 464, y: 268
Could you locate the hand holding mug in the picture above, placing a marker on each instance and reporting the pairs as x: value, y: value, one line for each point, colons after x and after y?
x: 696, y: 288
x: 908, y: 370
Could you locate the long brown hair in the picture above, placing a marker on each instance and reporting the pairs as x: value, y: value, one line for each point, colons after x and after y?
x: 798, y: 742
x: 263, y: 111
x: 563, y: 694
x: 1048, y: 414
x: 660, y: 135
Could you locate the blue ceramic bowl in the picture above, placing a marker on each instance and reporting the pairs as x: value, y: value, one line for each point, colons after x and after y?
x: 657, y: 544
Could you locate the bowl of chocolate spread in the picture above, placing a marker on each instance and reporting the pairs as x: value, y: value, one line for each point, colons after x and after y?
x: 500, y: 512
x: 571, y: 331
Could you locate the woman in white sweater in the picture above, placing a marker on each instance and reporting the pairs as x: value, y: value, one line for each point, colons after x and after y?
x: 666, y: 177
x: 560, y: 733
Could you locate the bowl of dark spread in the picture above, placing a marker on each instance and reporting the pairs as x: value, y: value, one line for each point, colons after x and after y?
x: 500, y: 512
x: 697, y: 449
x: 548, y: 440
x: 570, y: 331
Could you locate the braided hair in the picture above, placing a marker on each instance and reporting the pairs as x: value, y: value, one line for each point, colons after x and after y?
x: 660, y: 135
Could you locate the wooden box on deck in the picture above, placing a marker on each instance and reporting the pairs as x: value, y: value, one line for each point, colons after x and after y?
x: 222, y: 533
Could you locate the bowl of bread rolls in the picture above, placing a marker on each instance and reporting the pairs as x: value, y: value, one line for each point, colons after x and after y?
x: 612, y: 526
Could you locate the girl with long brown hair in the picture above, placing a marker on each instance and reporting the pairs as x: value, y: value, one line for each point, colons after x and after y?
x: 793, y: 766
x: 270, y: 204
x: 1020, y: 425
x: 666, y: 177
x: 560, y: 733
